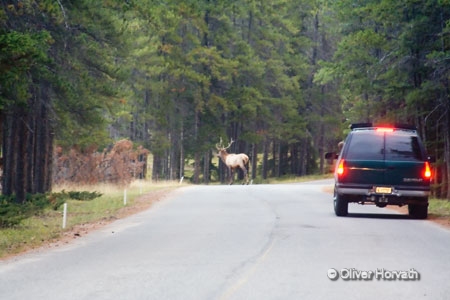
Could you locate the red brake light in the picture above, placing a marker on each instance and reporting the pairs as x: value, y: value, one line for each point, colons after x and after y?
x: 385, y: 129
x: 427, y: 173
x: 340, y: 168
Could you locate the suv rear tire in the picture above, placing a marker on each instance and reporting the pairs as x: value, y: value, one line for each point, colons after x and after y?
x: 418, y: 211
x: 340, y: 206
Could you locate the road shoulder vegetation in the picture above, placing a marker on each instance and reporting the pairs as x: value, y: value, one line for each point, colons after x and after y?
x: 44, y: 230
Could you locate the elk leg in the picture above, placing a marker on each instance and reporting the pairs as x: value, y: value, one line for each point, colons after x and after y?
x: 245, y: 175
x: 231, y: 176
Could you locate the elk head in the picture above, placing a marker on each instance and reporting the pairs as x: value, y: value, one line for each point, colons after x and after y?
x: 221, y: 148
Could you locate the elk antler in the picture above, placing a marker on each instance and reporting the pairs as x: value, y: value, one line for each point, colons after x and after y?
x: 220, y: 146
x: 229, y: 145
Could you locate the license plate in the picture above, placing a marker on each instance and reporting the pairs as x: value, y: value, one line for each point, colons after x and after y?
x: 383, y: 190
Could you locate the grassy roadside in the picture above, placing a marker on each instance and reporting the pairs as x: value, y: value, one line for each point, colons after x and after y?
x: 440, y: 209
x: 47, y: 227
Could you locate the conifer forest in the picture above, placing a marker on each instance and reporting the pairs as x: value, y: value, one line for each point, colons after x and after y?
x: 167, y: 79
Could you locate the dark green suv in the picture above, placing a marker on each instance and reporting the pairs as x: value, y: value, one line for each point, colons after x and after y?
x: 382, y: 166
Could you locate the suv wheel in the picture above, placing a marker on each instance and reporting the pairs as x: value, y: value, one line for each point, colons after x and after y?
x: 418, y: 211
x: 340, y: 205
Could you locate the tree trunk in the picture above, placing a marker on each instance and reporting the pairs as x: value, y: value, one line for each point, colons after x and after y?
x: 447, y: 153
x: 274, y: 158
x: 173, y: 161
x: 277, y: 159
x: 294, y: 158
x: 197, y: 154
x: 254, y: 161
x: 20, y: 157
x: 9, y: 132
x: 181, y: 153
x: 196, y: 167
x: 206, y: 165
x: 42, y: 142
x: 265, y: 159
x: 156, y: 167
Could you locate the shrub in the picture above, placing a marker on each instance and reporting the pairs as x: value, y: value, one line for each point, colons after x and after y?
x: 119, y: 164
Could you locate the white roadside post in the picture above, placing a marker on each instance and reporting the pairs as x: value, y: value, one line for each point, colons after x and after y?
x: 64, y: 216
x: 125, y: 197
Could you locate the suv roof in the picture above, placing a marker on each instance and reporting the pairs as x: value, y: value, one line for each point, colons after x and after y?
x: 356, y: 126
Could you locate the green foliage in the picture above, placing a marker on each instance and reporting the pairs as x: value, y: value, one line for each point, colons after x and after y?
x: 381, y: 58
x: 283, y: 76
x: 20, y: 54
x: 74, y: 195
x: 89, y: 61
x: 12, y: 213
x: 84, y: 196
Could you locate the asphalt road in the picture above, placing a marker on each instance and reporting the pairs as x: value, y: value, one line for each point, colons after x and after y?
x: 243, y: 242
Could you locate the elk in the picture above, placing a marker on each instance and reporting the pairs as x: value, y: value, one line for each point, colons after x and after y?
x: 233, y: 161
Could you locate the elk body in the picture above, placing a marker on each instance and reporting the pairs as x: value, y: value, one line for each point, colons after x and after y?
x: 233, y: 161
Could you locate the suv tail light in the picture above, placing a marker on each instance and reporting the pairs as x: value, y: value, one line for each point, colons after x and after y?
x: 341, y: 168
x: 427, y: 171
x: 385, y: 129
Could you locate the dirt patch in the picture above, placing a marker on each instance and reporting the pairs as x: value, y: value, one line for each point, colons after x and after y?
x: 328, y: 189
x: 443, y: 221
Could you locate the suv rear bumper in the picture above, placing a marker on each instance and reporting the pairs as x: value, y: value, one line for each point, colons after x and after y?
x: 395, y: 193
x: 399, y: 196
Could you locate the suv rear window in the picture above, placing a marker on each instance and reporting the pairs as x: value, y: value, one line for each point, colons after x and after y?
x: 366, y: 145
x: 370, y: 145
x: 403, y: 147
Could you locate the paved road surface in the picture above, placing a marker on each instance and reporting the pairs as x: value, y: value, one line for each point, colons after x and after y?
x: 242, y: 242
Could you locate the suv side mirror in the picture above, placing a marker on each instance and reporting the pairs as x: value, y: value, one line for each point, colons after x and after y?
x: 431, y: 159
x: 331, y: 155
